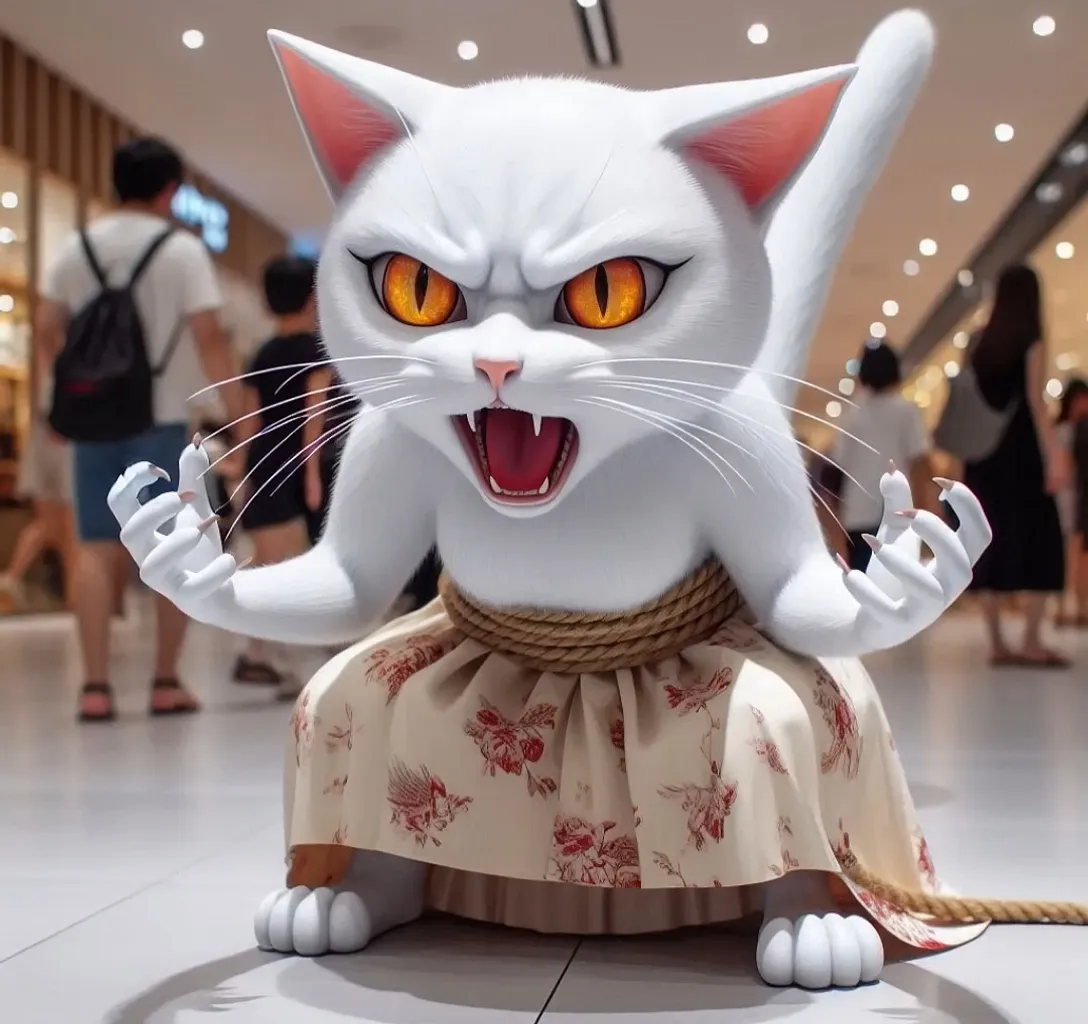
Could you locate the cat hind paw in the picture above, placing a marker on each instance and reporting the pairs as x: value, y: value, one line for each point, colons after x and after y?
x: 312, y: 922
x: 818, y: 951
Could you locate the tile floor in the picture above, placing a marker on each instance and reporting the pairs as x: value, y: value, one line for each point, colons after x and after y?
x: 133, y: 856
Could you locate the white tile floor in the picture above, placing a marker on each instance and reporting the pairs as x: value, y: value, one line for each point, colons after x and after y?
x: 132, y: 857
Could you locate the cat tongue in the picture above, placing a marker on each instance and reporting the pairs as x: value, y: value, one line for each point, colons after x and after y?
x: 517, y: 458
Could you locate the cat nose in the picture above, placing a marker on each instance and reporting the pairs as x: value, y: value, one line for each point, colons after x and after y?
x: 496, y: 371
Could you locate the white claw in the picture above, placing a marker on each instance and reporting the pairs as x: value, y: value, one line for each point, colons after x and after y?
x: 544, y: 486
x: 537, y: 420
x: 471, y: 417
x: 494, y: 485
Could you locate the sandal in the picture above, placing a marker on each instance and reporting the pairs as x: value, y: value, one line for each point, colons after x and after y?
x: 255, y: 673
x: 1046, y: 659
x: 96, y: 703
x: 169, y: 697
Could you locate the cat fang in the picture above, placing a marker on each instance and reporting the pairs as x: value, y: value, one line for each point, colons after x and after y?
x: 519, y: 458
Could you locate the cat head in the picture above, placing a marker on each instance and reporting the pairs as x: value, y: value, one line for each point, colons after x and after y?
x: 505, y: 257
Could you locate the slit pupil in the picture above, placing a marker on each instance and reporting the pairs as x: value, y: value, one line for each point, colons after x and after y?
x: 422, y: 281
x: 600, y: 284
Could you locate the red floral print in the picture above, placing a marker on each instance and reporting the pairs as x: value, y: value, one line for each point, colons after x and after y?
x: 737, y: 638
x: 707, y: 806
x: 394, y: 666
x: 789, y: 863
x: 342, y: 735
x: 842, y: 722
x: 302, y: 726
x: 510, y: 746
x: 901, y: 924
x: 766, y: 749
x: 340, y: 836
x: 785, y: 826
x: 584, y: 854
x: 925, y: 862
x: 673, y: 871
x: 336, y: 787
x: 421, y: 804
x: 698, y: 695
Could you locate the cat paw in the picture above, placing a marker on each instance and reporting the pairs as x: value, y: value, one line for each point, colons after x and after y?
x: 312, y: 922
x: 818, y: 951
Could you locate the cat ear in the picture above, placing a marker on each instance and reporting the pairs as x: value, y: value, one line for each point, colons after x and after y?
x: 350, y: 109
x: 758, y: 134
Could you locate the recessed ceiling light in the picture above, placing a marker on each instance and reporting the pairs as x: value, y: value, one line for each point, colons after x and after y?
x: 846, y: 386
x: 758, y: 34
x: 1004, y: 132
x: 890, y: 307
x: 1044, y: 26
x: 911, y: 268
x: 834, y: 410
x: 1065, y: 250
x: 1066, y: 360
x: 193, y: 38
x: 877, y: 329
x: 1054, y: 387
x: 1049, y: 192
x: 961, y: 193
x: 467, y: 50
x: 7, y: 236
x: 966, y: 278
x: 951, y: 369
x: 1075, y: 155
x: 961, y: 339
x: 9, y: 200
x: 7, y: 303
x: 587, y: 3
x: 927, y: 247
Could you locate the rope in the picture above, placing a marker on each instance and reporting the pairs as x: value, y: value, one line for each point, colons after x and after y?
x: 575, y: 642
x: 691, y: 612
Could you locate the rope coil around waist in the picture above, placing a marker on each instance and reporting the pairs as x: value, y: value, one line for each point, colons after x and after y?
x: 573, y: 642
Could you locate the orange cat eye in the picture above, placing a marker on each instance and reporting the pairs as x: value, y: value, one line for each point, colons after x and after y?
x: 610, y: 294
x: 416, y: 295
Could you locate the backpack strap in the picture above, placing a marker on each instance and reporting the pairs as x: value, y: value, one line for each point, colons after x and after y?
x: 171, y: 348
x: 92, y: 260
x: 149, y: 254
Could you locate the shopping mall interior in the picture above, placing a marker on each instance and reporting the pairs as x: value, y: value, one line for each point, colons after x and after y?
x: 135, y: 854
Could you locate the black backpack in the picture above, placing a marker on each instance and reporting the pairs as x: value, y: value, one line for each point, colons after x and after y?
x: 103, y: 380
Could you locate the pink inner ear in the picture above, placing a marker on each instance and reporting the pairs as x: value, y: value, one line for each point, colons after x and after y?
x: 760, y: 151
x: 345, y: 131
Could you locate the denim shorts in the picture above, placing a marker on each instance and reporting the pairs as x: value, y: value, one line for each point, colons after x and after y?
x: 97, y: 464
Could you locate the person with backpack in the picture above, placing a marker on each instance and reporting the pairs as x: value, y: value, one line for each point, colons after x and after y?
x: 129, y: 321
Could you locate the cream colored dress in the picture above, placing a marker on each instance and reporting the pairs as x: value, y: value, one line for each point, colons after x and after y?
x: 625, y: 801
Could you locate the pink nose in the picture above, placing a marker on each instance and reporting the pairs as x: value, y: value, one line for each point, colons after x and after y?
x: 497, y: 371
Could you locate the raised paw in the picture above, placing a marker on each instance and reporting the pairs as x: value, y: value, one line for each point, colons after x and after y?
x: 312, y: 922
x: 818, y: 951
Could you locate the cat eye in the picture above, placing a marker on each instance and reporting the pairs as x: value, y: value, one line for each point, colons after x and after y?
x: 610, y: 294
x: 413, y: 293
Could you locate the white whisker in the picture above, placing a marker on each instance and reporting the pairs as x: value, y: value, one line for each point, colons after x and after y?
x: 335, y: 360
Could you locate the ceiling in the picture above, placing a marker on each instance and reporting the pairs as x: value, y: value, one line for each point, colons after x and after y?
x: 224, y: 104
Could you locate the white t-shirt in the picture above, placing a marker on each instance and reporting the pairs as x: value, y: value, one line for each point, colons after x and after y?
x: 894, y: 427
x: 180, y: 282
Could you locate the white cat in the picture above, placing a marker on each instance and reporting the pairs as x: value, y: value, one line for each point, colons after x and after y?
x: 584, y: 309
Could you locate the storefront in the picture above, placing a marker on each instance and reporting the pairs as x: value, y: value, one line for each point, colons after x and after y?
x: 56, y: 147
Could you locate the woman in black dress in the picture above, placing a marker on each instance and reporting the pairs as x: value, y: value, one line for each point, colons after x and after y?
x: 1017, y: 483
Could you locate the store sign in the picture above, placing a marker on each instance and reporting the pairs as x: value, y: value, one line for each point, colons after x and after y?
x: 207, y: 215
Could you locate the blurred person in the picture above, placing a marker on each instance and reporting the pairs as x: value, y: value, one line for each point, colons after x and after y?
x: 332, y: 409
x: 177, y: 299
x: 1072, y: 430
x: 1018, y: 482
x: 891, y: 429
x: 273, y: 507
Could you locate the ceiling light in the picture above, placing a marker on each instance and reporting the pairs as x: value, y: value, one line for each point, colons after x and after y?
x: 193, y: 38
x: 1054, y: 387
x: 467, y: 50
x: 758, y: 34
x: 7, y: 236
x: 7, y: 303
x: 927, y: 247
x: 877, y: 329
x: 966, y: 278
x: 9, y: 200
x: 1066, y: 360
x: 587, y: 3
x: 1049, y: 192
x: 890, y: 307
x: 1065, y: 250
x: 834, y: 410
x: 1004, y: 132
x: 951, y: 369
x: 961, y: 339
x: 1044, y: 26
x: 961, y: 193
x: 852, y: 367
x: 846, y: 386
x: 911, y: 268
x: 1075, y: 155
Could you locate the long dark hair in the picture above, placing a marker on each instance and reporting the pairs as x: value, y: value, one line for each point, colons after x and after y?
x: 879, y: 367
x: 1015, y: 324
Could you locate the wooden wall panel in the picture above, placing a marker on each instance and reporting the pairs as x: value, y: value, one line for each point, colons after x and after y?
x: 103, y: 148
x: 65, y: 125
x: 84, y: 139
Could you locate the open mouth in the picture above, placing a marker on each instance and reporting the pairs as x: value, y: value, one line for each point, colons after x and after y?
x: 520, y: 457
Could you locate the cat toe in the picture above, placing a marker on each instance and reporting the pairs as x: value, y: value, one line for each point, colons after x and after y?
x: 819, y: 951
